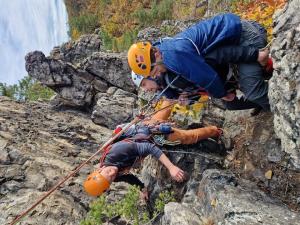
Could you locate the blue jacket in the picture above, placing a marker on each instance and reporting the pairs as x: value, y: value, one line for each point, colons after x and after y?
x: 181, y: 56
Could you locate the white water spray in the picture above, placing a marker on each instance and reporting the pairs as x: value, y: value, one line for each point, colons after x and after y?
x: 28, y: 25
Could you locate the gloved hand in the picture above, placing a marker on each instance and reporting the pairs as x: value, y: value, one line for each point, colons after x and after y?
x: 165, y: 128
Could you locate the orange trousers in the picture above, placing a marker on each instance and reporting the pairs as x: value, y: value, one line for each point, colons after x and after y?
x: 184, y: 136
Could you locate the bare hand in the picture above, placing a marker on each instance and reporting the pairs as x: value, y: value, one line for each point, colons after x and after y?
x: 144, y: 195
x: 229, y: 97
x: 158, y: 70
x: 183, y: 99
x: 177, y: 173
x: 263, y: 56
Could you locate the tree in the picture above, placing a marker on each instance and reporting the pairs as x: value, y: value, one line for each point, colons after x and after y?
x: 27, y: 89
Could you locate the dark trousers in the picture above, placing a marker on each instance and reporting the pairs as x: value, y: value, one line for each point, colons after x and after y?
x: 251, y: 79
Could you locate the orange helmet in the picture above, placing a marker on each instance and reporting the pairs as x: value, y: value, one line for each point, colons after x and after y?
x: 139, y: 58
x: 96, y: 184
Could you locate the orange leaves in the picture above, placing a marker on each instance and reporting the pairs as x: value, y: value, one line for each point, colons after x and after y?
x: 259, y: 10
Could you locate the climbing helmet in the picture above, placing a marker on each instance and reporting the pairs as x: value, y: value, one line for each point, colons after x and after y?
x: 96, y: 184
x: 137, y: 79
x: 139, y: 58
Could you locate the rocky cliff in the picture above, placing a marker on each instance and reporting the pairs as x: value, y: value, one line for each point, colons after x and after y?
x: 38, y: 147
x: 285, y: 85
x: 257, y: 181
x: 82, y: 75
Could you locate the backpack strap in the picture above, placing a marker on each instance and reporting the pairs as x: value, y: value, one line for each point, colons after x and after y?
x: 105, y: 152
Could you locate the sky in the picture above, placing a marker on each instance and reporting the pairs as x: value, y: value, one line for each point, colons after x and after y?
x: 28, y: 25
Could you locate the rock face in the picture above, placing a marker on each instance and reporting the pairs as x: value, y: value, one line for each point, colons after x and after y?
x: 79, y: 73
x: 112, y: 68
x: 209, y: 195
x: 114, y: 107
x: 216, y: 192
x: 76, y: 51
x: 284, y: 91
x: 176, y: 213
x: 38, y: 147
x: 167, y: 28
x: 223, y: 199
x: 75, y: 87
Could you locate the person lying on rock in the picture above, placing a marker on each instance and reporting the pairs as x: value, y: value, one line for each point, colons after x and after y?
x: 200, y: 58
x: 137, y: 144
x: 158, y: 125
x: 118, y: 161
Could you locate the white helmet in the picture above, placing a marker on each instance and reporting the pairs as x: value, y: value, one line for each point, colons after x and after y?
x: 137, y: 79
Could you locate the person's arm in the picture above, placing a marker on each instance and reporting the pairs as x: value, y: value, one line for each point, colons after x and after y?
x: 236, y: 54
x: 145, y: 149
x: 232, y: 54
x: 193, y: 67
x: 175, y: 172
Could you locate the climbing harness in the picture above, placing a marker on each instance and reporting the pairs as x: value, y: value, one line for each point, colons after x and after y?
x: 137, y: 119
x: 160, y: 140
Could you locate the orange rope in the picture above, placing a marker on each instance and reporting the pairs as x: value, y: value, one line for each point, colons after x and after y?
x: 136, y: 120
x: 54, y: 188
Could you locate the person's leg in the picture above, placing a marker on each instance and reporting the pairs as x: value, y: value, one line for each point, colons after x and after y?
x: 253, y: 85
x: 161, y: 116
x: 187, y: 137
x: 251, y: 78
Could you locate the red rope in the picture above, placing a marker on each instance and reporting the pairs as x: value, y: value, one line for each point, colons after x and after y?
x: 73, y: 173
x: 106, y: 144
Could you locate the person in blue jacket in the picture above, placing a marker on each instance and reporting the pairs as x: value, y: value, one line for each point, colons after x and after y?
x: 196, y: 54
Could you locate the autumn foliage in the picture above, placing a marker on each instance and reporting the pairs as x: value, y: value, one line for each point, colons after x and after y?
x: 259, y: 10
x: 120, y: 20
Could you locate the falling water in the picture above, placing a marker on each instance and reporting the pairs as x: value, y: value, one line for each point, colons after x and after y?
x: 27, y: 25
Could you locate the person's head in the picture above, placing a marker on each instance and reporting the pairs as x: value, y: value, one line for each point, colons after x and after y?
x: 145, y: 60
x: 147, y: 84
x: 99, y: 181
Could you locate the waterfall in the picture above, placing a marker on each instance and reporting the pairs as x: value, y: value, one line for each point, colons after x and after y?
x: 28, y: 25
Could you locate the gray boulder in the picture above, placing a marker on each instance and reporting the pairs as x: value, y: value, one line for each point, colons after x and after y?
x: 221, y: 198
x: 75, y: 51
x: 75, y: 87
x: 114, y: 107
x: 111, y: 67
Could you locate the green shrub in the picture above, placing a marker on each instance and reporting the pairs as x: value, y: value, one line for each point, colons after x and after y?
x: 164, y: 10
x: 163, y: 198
x: 85, y: 23
x: 26, y: 90
x: 159, y: 11
x: 107, y: 40
x: 8, y: 90
x: 118, y: 44
x: 124, y: 42
x: 128, y: 208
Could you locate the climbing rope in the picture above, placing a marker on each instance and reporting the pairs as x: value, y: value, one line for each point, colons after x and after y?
x: 141, y: 117
x: 136, y: 120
